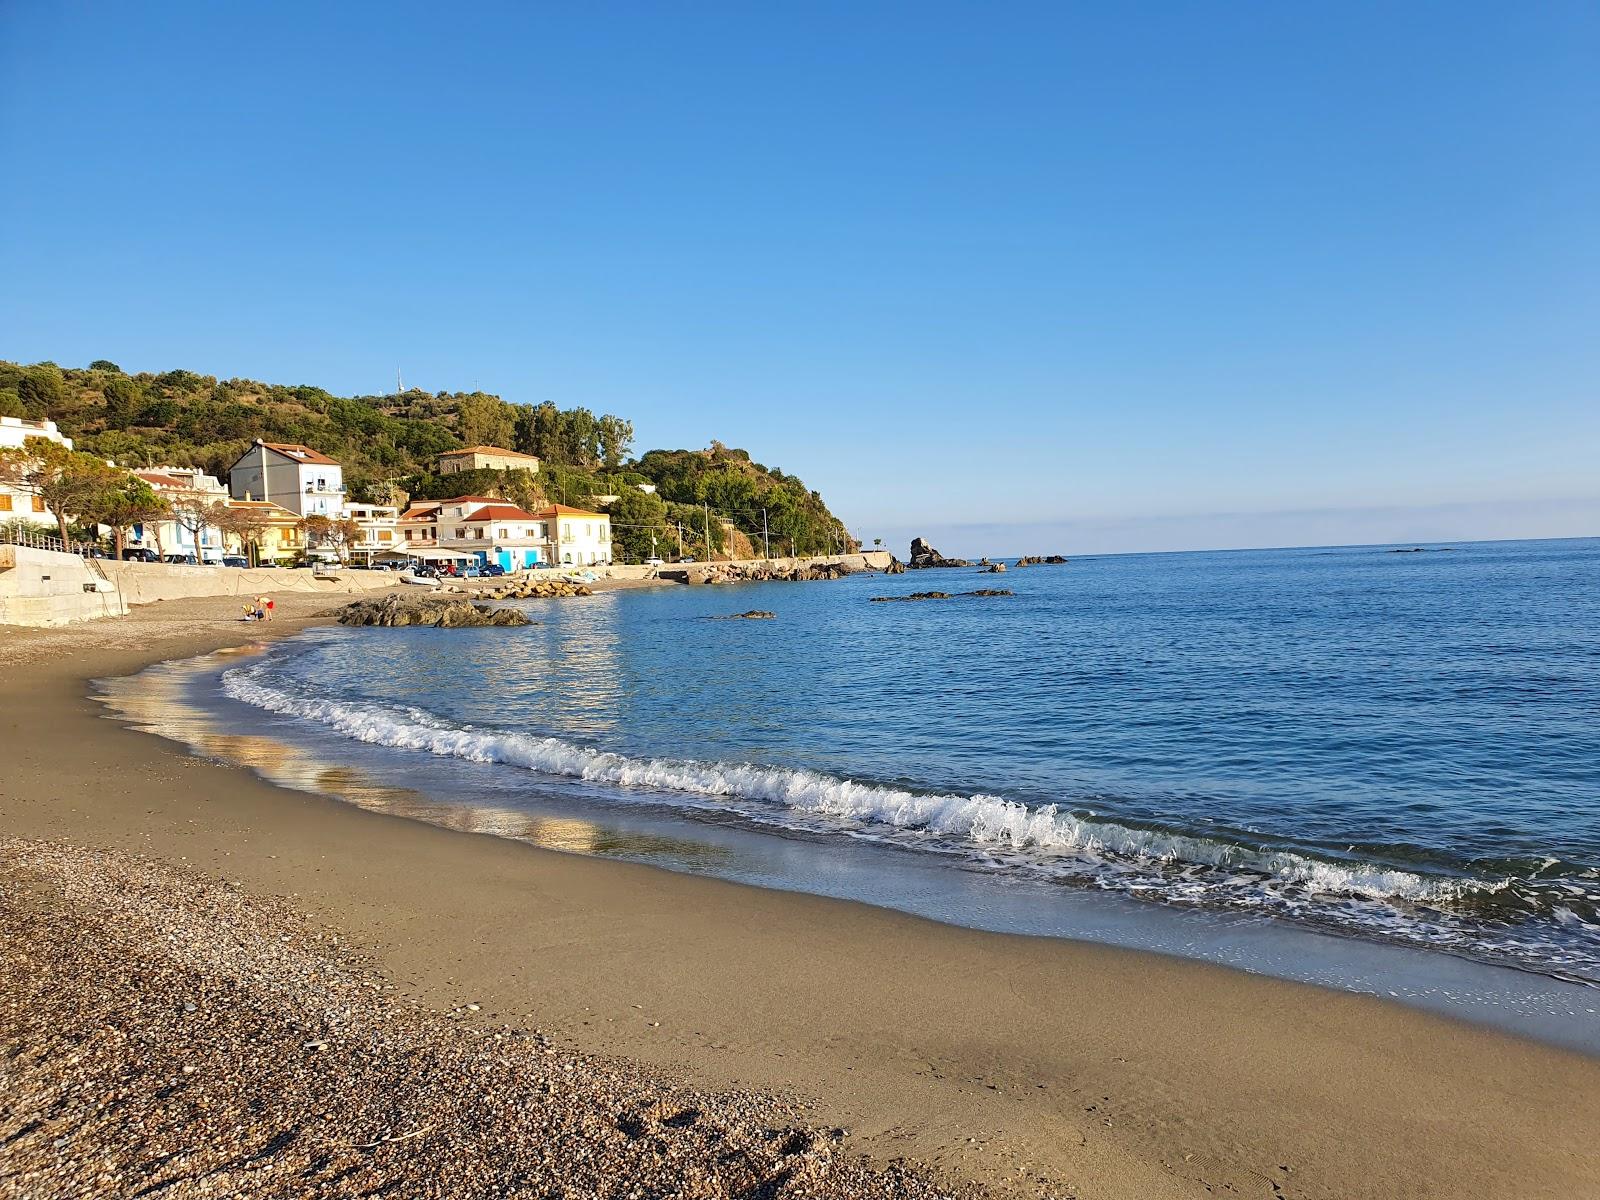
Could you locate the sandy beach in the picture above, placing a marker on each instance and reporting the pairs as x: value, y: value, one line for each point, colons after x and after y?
x: 1019, y: 1065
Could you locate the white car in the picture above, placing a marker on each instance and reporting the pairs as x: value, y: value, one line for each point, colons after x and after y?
x: 653, y: 562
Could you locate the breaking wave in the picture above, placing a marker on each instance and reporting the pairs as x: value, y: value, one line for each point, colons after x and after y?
x: 1046, y: 837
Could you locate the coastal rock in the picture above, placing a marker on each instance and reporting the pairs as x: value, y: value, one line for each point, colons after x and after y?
x: 1033, y: 560
x: 924, y: 556
x: 536, y: 589
x: 757, y: 572
x: 994, y: 569
x: 895, y: 567
x: 436, y: 612
x: 942, y: 595
x: 755, y: 614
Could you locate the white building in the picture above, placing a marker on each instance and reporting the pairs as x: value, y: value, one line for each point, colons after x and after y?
x: 295, y: 477
x: 380, y: 529
x: 15, y: 503
x: 578, y: 536
x: 180, y: 485
x: 488, y: 530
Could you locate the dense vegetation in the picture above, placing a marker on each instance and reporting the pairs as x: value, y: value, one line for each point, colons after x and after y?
x: 389, y: 446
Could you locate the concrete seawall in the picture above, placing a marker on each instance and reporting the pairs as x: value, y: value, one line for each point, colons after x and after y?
x: 44, y: 587
x: 145, y: 583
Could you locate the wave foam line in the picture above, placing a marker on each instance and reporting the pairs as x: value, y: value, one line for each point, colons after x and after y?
x: 984, y: 821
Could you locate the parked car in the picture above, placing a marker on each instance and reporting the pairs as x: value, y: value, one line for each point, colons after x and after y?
x: 688, y: 558
x: 653, y: 562
x: 182, y: 560
x: 140, y: 554
x: 234, y: 560
x: 494, y: 570
x: 541, y: 566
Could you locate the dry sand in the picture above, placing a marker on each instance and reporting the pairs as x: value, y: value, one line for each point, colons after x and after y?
x: 994, y: 1059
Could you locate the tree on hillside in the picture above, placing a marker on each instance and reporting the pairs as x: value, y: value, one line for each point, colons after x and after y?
x: 547, y: 443
x: 638, y: 524
x: 485, y: 420
x: 616, y: 441
x: 42, y: 389
x: 105, y: 364
x: 123, y: 503
x: 580, y: 437
x: 66, y: 481
x: 124, y: 398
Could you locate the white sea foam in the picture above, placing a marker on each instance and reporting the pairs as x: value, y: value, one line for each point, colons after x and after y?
x: 982, y: 823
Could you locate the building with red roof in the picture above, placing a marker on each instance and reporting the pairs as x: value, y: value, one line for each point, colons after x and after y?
x: 489, y: 530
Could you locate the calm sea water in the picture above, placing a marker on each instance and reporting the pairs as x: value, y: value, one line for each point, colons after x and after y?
x: 1398, y: 749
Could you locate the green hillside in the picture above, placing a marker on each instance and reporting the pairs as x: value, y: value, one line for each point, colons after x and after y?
x: 388, y: 445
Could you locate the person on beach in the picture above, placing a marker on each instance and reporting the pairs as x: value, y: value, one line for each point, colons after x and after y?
x: 264, y: 603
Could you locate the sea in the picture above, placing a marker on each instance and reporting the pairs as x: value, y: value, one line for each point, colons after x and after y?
x: 1374, y: 768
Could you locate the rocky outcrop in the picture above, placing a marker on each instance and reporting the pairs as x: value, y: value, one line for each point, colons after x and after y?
x: 994, y: 569
x: 755, y: 614
x: 436, y: 612
x: 895, y: 567
x: 757, y: 572
x: 1035, y: 560
x: 941, y: 595
x: 534, y: 589
x: 924, y: 556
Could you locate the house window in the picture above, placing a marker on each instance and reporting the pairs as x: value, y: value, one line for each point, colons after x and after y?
x: 478, y: 533
x: 385, y: 536
x: 408, y: 535
x: 38, y: 504
x: 461, y: 533
x: 505, y: 533
x: 5, y: 503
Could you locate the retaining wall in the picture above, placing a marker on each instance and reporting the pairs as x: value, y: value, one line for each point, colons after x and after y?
x: 45, y: 587
x: 144, y: 583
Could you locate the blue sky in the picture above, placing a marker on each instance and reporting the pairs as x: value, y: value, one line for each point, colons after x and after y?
x: 1022, y: 277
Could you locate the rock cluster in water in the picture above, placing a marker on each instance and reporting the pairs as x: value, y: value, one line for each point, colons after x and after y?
x: 437, y: 612
x: 528, y: 589
x: 942, y: 595
x: 1034, y: 560
x: 759, y: 572
x: 924, y: 556
x: 755, y: 614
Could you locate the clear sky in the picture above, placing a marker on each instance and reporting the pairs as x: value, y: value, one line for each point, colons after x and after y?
x: 1023, y: 277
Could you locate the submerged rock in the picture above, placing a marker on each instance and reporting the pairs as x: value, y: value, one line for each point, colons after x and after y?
x: 755, y: 614
x: 942, y: 595
x: 436, y: 612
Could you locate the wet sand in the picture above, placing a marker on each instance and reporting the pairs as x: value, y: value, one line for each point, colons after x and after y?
x: 1001, y: 1060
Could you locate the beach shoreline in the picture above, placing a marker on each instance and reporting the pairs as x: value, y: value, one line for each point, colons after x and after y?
x: 1102, y: 1071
